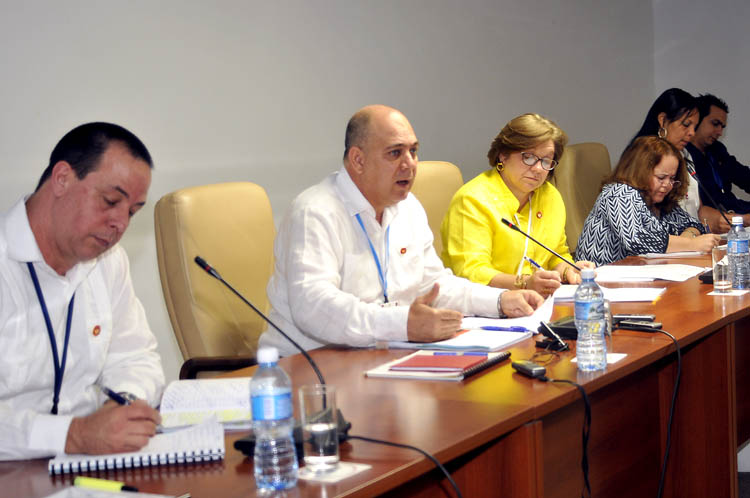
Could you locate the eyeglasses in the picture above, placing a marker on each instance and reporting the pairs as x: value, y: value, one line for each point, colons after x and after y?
x: 530, y: 160
x: 662, y: 179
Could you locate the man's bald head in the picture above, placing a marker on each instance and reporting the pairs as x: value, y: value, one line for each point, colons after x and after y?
x: 359, y: 125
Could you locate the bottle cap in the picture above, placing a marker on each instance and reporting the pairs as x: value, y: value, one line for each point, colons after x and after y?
x: 736, y: 220
x: 587, y: 273
x: 268, y: 355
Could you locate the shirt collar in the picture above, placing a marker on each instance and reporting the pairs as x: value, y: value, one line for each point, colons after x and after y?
x: 506, y: 196
x: 22, y: 245
x: 356, y: 203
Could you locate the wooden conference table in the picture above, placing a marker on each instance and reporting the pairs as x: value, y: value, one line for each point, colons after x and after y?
x: 501, y: 434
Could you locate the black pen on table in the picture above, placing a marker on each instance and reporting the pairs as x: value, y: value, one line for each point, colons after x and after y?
x: 116, y: 397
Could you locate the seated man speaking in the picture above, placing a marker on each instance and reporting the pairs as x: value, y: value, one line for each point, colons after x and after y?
x: 69, y: 319
x: 354, y: 261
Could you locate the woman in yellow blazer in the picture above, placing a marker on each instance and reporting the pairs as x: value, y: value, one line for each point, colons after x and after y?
x: 478, y: 246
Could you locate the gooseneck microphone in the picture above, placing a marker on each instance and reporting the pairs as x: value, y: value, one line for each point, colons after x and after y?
x: 211, y: 271
x: 514, y: 227
x: 717, y: 205
x: 246, y: 444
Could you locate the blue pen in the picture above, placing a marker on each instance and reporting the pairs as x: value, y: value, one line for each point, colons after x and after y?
x: 507, y: 329
x: 465, y: 353
x: 533, y: 263
x: 116, y: 397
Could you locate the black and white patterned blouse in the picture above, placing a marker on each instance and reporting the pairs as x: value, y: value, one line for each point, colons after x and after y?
x: 621, y: 224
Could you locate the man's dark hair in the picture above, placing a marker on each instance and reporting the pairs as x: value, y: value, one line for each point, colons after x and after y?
x: 705, y: 102
x: 675, y: 103
x: 83, y: 146
x: 356, y: 131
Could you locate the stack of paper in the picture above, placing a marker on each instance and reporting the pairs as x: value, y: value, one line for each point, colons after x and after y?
x: 469, y: 340
x: 615, y: 295
x: 622, y: 273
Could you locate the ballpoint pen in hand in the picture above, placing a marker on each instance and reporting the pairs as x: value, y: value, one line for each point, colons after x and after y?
x: 533, y: 263
x: 507, y: 329
x: 116, y: 397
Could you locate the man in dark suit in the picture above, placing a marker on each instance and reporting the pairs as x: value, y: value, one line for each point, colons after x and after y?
x: 717, y: 170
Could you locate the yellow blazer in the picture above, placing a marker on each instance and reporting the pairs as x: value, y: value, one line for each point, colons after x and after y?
x: 476, y: 245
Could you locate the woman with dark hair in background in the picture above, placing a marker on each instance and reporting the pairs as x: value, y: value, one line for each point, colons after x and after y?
x: 637, y: 211
x: 673, y: 116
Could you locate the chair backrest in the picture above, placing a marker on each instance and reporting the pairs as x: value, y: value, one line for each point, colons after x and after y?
x: 230, y: 225
x: 434, y: 186
x: 578, y: 177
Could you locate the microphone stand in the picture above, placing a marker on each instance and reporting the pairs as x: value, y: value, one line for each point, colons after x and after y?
x: 514, y: 227
x: 343, y: 425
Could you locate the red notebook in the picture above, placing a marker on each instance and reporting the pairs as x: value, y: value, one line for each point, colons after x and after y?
x: 440, y: 362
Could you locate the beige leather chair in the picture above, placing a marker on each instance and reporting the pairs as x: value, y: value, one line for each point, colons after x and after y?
x: 578, y: 177
x: 230, y: 225
x: 434, y: 186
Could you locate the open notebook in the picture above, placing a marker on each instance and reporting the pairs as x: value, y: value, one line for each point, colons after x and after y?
x: 188, y: 402
x: 199, y: 443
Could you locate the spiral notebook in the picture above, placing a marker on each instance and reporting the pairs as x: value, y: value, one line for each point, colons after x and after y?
x: 200, y: 443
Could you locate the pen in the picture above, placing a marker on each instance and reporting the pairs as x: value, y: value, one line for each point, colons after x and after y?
x: 465, y: 353
x: 507, y: 329
x: 533, y: 263
x: 118, y: 398
x: 102, y: 484
x: 706, y: 225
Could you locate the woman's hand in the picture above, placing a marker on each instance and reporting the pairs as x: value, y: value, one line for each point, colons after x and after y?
x: 705, y: 243
x: 545, y: 282
x: 570, y: 275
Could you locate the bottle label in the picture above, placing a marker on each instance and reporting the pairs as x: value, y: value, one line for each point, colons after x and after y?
x: 272, y: 406
x: 738, y: 246
x: 582, y: 310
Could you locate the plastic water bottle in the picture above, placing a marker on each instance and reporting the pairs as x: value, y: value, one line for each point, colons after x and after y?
x: 738, y: 253
x: 591, y: 323
x: 271, y: 401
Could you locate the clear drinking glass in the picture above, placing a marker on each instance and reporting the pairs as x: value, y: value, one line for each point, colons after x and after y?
x: 319, y: 427
x: 720, y: 263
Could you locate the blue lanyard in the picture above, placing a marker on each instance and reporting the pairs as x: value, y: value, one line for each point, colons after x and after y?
x: 383, y: 275
x: 59, y: 367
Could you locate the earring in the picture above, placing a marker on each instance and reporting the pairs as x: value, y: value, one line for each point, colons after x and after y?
x: 499, y: 167
x: 662, y: 133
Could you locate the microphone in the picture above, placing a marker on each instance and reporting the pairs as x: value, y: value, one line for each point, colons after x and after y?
x: 514, y: 227
x: 246, y: 444
x: 691, y: 169
x: 211, y: 271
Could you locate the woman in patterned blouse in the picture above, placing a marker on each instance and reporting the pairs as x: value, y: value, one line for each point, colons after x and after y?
x: 637, y: 211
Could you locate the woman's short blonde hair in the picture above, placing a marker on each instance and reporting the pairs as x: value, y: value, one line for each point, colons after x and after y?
x: 637, y: 165
x: 526, y: 132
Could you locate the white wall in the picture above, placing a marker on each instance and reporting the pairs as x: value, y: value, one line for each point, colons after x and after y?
x: 261, y: 91
x: 705, y: 49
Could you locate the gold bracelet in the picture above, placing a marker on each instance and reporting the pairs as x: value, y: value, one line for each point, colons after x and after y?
x: 520, y: 282
x: 565, y: 275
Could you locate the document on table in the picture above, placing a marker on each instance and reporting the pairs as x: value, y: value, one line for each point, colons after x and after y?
x: 531, y: 322
x: 476, y: 339
x: 615, y: 295
x: 680, y: 254
x: 646, y: 273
